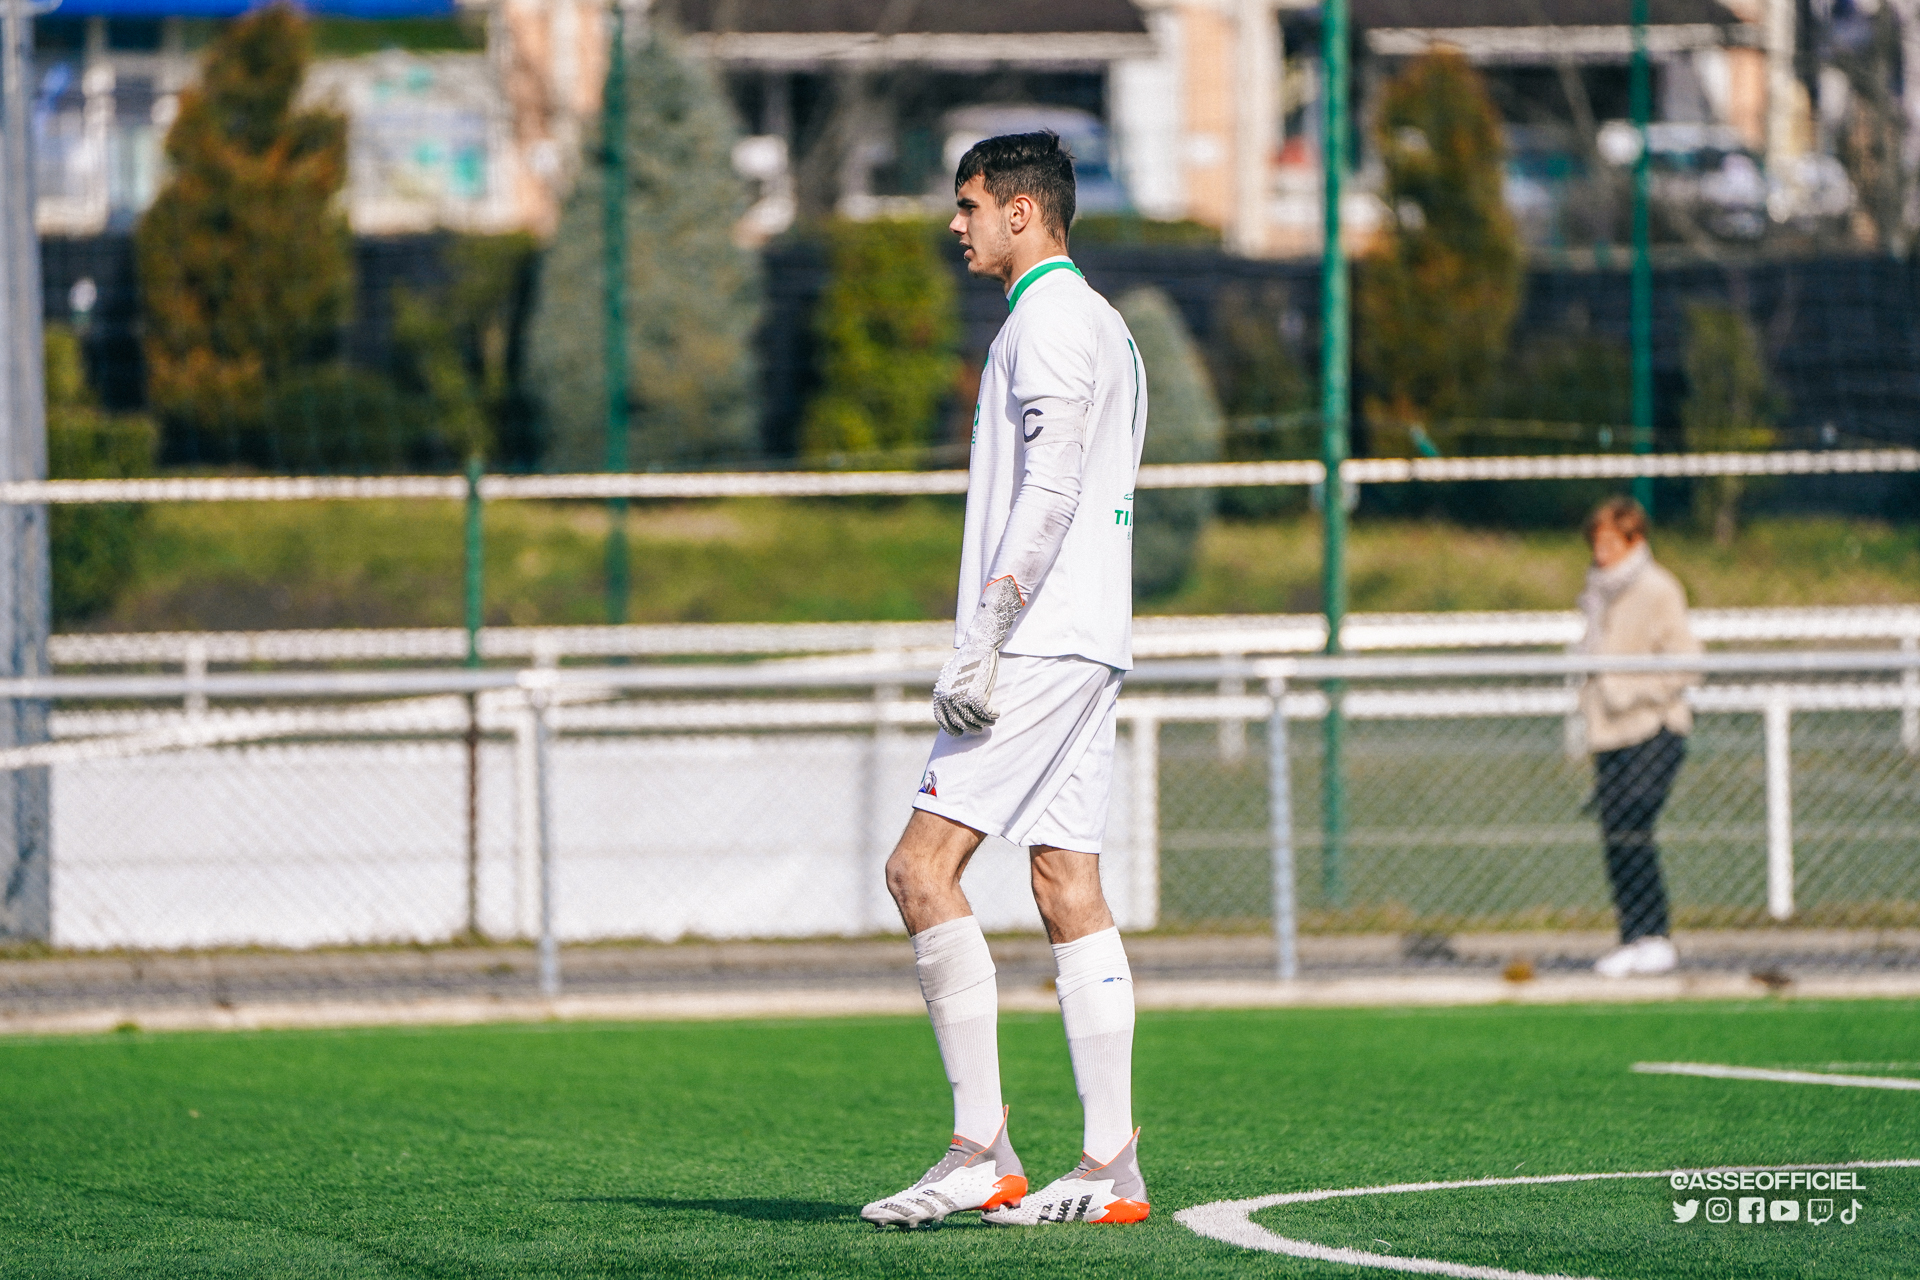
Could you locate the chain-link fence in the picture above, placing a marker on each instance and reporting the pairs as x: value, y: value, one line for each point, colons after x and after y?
x: 617, y: 809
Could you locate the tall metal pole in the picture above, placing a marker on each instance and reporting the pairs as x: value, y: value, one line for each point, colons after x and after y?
x: 474, y: 602
x: 1640, y: 92
x: 1334, y: 411
x: 25, y: 883
x: 613, y: 135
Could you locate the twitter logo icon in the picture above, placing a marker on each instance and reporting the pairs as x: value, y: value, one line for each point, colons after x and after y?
x: 1685, y: 1212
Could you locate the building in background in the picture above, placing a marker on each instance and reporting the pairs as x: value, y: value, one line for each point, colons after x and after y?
x: 463, y: 118
x: 1199, y: 110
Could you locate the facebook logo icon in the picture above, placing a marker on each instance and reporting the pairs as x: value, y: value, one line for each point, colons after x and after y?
x: 1753, y: 1209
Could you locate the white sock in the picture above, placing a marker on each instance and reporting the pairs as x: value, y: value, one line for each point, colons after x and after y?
x: 1096, y: 1002
x: 963, y: 1002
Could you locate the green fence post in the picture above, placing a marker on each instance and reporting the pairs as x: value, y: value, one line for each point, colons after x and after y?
x: 474, y: 602
x: 1640, y: 93
x: 613, y: 139
x: 1334, y: 412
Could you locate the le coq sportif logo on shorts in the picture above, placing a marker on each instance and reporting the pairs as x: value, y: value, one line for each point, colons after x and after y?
x: 1752, y: 1210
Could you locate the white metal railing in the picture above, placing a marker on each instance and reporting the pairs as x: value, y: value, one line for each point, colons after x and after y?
x: 726, y: 484
x: 535, y: 704
x: 1154, y: 637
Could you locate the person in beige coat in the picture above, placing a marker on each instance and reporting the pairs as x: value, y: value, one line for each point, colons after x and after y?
x: 1637, y: 725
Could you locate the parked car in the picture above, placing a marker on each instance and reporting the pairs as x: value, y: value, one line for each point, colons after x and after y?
x: 1702, y: 174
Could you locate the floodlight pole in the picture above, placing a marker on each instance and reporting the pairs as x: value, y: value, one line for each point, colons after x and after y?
x: 26, y: 910
x: 1334, y: 416
x: 1641, y: 100
x: 613, y: 136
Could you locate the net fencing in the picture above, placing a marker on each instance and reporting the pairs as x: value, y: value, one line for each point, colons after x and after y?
x: 620, y: 808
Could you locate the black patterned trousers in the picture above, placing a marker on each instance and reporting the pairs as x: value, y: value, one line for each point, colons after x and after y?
x: 1630, y: 789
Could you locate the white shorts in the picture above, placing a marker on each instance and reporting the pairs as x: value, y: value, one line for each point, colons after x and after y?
x: 1042, y: 774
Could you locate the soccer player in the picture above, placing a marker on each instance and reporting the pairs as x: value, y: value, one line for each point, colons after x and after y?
x: 1026, y: 706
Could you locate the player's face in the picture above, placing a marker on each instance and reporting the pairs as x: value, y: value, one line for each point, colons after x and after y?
x: 1610, y: 546
x: 982, y: 225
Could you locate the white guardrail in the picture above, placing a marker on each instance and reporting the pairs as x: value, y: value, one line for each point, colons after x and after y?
x: 1177, y: 637
x: 731, y: 484
x: 535, y: 704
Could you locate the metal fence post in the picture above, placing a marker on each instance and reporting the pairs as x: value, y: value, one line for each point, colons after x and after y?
x: 526, y: 838
x: 473, y: 585
x: 1640, y: 99
x: 26, y: 902
x: 1779, y: 755
x: 1232, y: 731
x: 194, y: 668
x: 1910, y: 700
x: 543, y: 807
x: 1280, y: 820
x: 1144, y: 891
x: 613, y: 138
x: 882, y: 915
x: 1335, y: 411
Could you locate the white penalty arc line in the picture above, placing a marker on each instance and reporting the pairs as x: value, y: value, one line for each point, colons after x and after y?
x: 1230, y: 1221
x: 1715, y: 1071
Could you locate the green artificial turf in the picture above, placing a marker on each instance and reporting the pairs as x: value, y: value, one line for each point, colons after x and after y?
x: 745, y: 1149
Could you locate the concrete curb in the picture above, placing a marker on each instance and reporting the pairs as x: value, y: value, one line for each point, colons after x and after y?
x: 871, y: 1002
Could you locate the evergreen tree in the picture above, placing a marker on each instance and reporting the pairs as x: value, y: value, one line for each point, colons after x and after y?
x: 1184, y: 425
x: 92, y: 544
x: 692, y: 295
x: 888, y: 326
x: 1437, y: 297
x: 246, y: 269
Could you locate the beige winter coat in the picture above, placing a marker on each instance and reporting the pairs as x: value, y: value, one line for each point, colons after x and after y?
x: 1648, y: 616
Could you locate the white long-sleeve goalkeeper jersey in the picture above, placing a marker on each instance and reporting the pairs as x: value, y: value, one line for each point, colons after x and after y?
x: 1063, y: 349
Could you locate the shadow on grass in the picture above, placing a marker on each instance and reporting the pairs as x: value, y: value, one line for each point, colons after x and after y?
x: 754, y: 1209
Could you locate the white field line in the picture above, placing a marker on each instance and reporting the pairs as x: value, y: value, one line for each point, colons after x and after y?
x: 725, y: 484
x: 1715, y: 1071
x: 1230, y: 1221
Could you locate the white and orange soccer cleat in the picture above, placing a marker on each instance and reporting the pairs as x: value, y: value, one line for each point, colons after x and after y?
x: 1110, y: 1192
x: 970, y: 1176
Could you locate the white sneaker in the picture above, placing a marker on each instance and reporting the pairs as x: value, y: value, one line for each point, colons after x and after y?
x: 969, y: 1176
x: 1641, y: 958
x: 1110, y: 1192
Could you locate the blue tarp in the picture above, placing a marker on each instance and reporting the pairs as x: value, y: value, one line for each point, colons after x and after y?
x: 231, y: 8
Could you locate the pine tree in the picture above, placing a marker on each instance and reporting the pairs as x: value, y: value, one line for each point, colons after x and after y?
x: 246, y: 268
x: 1184, y: 425
x: 692, y: 295
x: 92, y: 544
x: 1437, y: 297
x: 888, y: 326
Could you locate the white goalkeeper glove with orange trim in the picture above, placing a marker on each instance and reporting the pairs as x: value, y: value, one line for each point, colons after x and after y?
x: 963, y: 695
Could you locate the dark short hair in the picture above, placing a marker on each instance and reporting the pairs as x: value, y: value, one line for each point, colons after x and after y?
x: 1623, y: 513
x: 1025, y: 164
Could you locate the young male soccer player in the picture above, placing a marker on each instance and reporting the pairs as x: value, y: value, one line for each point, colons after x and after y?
x: 1026, y: 705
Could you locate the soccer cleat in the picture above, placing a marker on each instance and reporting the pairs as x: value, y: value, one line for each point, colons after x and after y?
x: 1110, y: 1192
x: 1642, y: 958
x: 970, y: 1176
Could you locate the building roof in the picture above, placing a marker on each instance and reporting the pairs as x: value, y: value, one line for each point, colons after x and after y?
x: 809, y: 35
x: 233, y: 8
x: 908, y: 17
x: 1431, y: 14
x: 1534, y: 32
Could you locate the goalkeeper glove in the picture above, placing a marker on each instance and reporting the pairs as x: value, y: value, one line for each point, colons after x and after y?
x: 963, y: 695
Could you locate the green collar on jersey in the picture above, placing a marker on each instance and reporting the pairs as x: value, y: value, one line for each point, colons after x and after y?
x: 1034, y: 273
